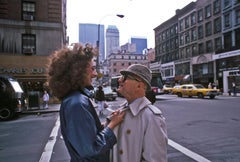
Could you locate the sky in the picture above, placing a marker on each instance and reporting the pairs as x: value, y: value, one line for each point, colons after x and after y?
x: 140, y: 16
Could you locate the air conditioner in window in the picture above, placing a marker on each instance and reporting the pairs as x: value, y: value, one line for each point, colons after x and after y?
x: 28, y: 50
x: 28, y: 17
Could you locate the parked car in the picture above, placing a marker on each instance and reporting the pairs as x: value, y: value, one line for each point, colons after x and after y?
x: 12, y: 97
x: 109, y: 94
x: 167, y: 89
x: 175, y: 89
x: 196, y: 90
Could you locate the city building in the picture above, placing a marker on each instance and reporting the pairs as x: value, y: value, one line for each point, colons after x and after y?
x: 89, y: 33
x: 119, y: 61
x: 30, y: 31
x: 201, y: 43
x: 141, y: 44
x: 112, y: 39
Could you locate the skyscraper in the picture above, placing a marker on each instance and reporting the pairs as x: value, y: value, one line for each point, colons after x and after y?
x: 88, y: 33
x: 112, y: 40
x: 141, y: 44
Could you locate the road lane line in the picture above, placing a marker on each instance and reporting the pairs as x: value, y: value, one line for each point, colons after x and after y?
x: 47, y: 153
x: 187, y: 152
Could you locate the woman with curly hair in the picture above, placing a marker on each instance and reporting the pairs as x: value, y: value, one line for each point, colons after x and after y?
x: 70, y: 73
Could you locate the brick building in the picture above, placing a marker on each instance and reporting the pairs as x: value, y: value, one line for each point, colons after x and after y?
x: 30, y: 31
x: 201, y: 41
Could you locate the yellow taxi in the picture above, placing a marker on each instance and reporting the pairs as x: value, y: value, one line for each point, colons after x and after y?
x: 167, y: 89
x: 175, y: 89
x: 196, y: 90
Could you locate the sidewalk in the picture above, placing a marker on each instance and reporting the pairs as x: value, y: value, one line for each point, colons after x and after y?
x: 226, y: 94
x: 35, y: 110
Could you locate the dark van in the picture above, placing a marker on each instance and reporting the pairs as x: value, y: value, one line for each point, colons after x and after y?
x: 11, y: 97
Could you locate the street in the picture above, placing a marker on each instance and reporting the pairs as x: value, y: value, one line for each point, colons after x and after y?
x: 201, y: 130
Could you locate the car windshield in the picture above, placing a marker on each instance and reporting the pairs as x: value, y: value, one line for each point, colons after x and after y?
x: 199, y: 86
x: 167, y: 86
x: 107, y: 90
x: 16, y: 86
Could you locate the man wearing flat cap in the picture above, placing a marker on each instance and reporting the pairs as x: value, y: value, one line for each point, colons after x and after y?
x: 142, y: 136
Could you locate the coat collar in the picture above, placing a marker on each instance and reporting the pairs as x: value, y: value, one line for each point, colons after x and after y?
x: 137, y: 105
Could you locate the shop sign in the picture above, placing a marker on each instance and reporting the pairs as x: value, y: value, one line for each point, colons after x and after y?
x: 22, y: 70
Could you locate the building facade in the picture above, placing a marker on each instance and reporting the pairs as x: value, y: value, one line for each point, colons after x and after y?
x: 89, y: 33
x: 112, y: 40
x: 30, y: 31
x: 119, y: 61
x: 199, y: 41
x: 141, y: 44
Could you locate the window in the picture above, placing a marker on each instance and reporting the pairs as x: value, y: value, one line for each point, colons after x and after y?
x: 227, y: 40
x: 186, y: 22
x: 209, y: 46
x: 181, y: 39
x: 208, y: 11
x: 216, y: 6
x: 226, y: 3
x: 217, y: 25
x: 208, y: 28
x: 227, y: 20
x: 194, y: 34
x: 194, y: 50
x: 193, y: 19
x: 200, y: 48
x: 187, y: 52
x: 205, y: 69
x: 187, y: 38
x: 181, y: 25
x: 238, y: 17
x: 200, y: 15
x: 28, y: 11
x: 200, y: 32
x: 181, y: 53
x: 237, y: 38
x: 28, y: 44
x: 218, y: 44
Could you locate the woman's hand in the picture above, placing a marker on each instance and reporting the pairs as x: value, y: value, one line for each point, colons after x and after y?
x: 116, y: 118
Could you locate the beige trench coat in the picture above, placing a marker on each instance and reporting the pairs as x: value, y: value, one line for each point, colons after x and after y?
x: 142, y: 136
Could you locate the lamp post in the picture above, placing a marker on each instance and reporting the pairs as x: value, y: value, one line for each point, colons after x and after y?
x: 98, y: 42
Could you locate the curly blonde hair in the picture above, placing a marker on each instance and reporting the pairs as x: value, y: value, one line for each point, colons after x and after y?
x: 67, y: 69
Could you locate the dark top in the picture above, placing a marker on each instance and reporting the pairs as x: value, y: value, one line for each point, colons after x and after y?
x: 84, y: 136
x: 100, y: 95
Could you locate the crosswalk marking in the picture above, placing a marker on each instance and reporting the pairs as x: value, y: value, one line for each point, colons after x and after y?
x: 47, y: 153
x: 187, y: 152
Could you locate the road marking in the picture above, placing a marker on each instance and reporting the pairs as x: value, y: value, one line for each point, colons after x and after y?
x: 47, y: 153
x: 187, y: 152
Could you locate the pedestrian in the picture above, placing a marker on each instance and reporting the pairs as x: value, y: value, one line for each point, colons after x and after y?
x: 142, y: 136
x: 100, y: 98
x: 45, y: 99
x: 234, y: 88
x: 151, y: 96
x: 210, y: 85
x: 70, y: 73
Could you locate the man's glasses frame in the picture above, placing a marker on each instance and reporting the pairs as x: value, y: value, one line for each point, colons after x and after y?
x: 124, y: 77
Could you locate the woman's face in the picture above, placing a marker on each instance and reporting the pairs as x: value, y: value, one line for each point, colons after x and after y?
x: 91, y: 71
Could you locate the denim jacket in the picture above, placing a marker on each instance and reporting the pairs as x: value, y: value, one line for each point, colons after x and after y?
x: 85, y: 138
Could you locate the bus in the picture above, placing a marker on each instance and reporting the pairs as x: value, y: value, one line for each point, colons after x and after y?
x: 156, y: 83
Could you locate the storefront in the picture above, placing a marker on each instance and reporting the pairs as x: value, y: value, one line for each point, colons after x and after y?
x: 227, y: 69
x: 30, y: 71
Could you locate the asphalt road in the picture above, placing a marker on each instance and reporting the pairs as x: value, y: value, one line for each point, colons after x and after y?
x: 199, y: 130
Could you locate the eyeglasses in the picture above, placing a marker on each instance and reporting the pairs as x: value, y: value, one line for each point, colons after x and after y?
x: 125, y: 77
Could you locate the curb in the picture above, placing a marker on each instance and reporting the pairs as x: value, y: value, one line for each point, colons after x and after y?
x: 39, y: 111
x: 36, y: 110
